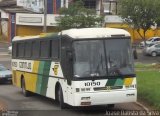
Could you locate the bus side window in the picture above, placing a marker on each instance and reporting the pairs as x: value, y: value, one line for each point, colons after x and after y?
x: 35, y: 49
x: 55, y: 48
x: 20, y: 50
x: 28, y: 47
x: 14, y: 49
x: 44, y: 49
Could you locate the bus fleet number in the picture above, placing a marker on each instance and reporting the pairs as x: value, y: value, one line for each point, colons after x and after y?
x: 92, y: 83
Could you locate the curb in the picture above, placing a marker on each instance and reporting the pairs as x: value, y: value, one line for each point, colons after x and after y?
x: 141, y: 105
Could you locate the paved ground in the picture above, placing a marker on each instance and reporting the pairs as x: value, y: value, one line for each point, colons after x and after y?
x: 146, y: 59
x: 12, y: 99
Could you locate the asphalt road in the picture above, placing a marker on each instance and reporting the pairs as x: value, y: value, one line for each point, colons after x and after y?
x: 5, y: 58
x: 146, y: 59
x: 37, y: 105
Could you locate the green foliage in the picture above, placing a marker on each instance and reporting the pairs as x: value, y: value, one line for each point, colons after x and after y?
x: 148, y: 81
x: 77, y: 16
x: 148, y: 84
x: 140, y: 14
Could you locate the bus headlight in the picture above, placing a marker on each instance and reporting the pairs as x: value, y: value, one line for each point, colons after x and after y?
x: 88, y: 89
x: 85, y: 98
x: 83, y: 89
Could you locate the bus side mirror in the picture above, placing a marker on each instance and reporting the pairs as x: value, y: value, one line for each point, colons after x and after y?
x: 69, y: 59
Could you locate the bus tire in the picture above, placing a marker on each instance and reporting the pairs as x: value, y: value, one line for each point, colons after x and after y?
x: 60, y: 98
x: 24, y: 91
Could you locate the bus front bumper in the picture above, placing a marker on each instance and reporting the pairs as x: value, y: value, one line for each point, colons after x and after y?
x: 104, y: 98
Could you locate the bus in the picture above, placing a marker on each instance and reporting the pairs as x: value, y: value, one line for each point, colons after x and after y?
x: 78, y: 67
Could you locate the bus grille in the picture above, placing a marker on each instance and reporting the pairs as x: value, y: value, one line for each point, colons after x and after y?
x: 108, y: 88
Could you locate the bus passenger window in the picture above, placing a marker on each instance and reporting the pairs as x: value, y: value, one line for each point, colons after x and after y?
x: 20, y: 49
x: 55, y: 49
x: 35, y: 49
x: 28, y: 49
x: 14, y: 50
x: 44, y: 49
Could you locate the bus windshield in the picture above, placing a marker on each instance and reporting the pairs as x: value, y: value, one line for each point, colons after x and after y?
x: 112, y: 57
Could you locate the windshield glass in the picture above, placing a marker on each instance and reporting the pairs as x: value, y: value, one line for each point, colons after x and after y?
x: 2, y: 68
x: 110, y: 57
x: 119, y: 55
x: 89, y: 59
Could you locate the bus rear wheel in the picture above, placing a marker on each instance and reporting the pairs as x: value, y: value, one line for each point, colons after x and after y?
x: 60, y: 98
x: 24, y: 91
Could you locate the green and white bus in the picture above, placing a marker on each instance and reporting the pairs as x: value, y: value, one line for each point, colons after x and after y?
x: 78, y: 67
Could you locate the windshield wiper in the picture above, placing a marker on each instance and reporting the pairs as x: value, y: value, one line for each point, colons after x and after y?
x: 97, y: 67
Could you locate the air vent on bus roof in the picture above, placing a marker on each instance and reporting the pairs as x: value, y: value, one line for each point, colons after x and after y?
x: 121, y: 35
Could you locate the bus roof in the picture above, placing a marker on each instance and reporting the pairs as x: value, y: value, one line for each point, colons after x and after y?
x: 82, y: 33
x: 17, y: 38
x: 94, y: 33
x: 43, y: 35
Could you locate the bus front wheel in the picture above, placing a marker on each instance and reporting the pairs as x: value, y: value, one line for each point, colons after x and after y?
x: 60, y: 98
x: 24, y: 91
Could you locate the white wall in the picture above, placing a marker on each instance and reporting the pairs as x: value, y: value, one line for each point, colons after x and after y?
x: 4, y: 14
x: 113, y: 19
x: 4, y: 25
x: 36, y: 19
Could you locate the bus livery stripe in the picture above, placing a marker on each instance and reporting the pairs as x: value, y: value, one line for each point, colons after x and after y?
x: 38, y: 85
x: 35, y: 76
x: 119, y: 82
x: 39, y: 80
x: 128, y: 81
x: 35, y: 66
x: 42, y: 80
x: 111, y: 82
x: 45, y: 78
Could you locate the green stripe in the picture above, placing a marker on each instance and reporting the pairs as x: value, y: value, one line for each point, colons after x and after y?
x: 111, y: 82
x: 46, y: 71
x: 41, y: 67
x: 38, y: 86
x: 119, y: 82
x: 40, y: 77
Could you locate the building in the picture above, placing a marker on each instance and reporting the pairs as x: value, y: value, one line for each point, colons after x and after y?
x: 115, y: 21
x: 32, y: 23
x: 25, y: 17
x: 8, y: 9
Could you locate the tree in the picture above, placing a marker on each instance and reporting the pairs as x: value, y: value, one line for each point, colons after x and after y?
x: 140, y: 14
x: 77, y: 16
